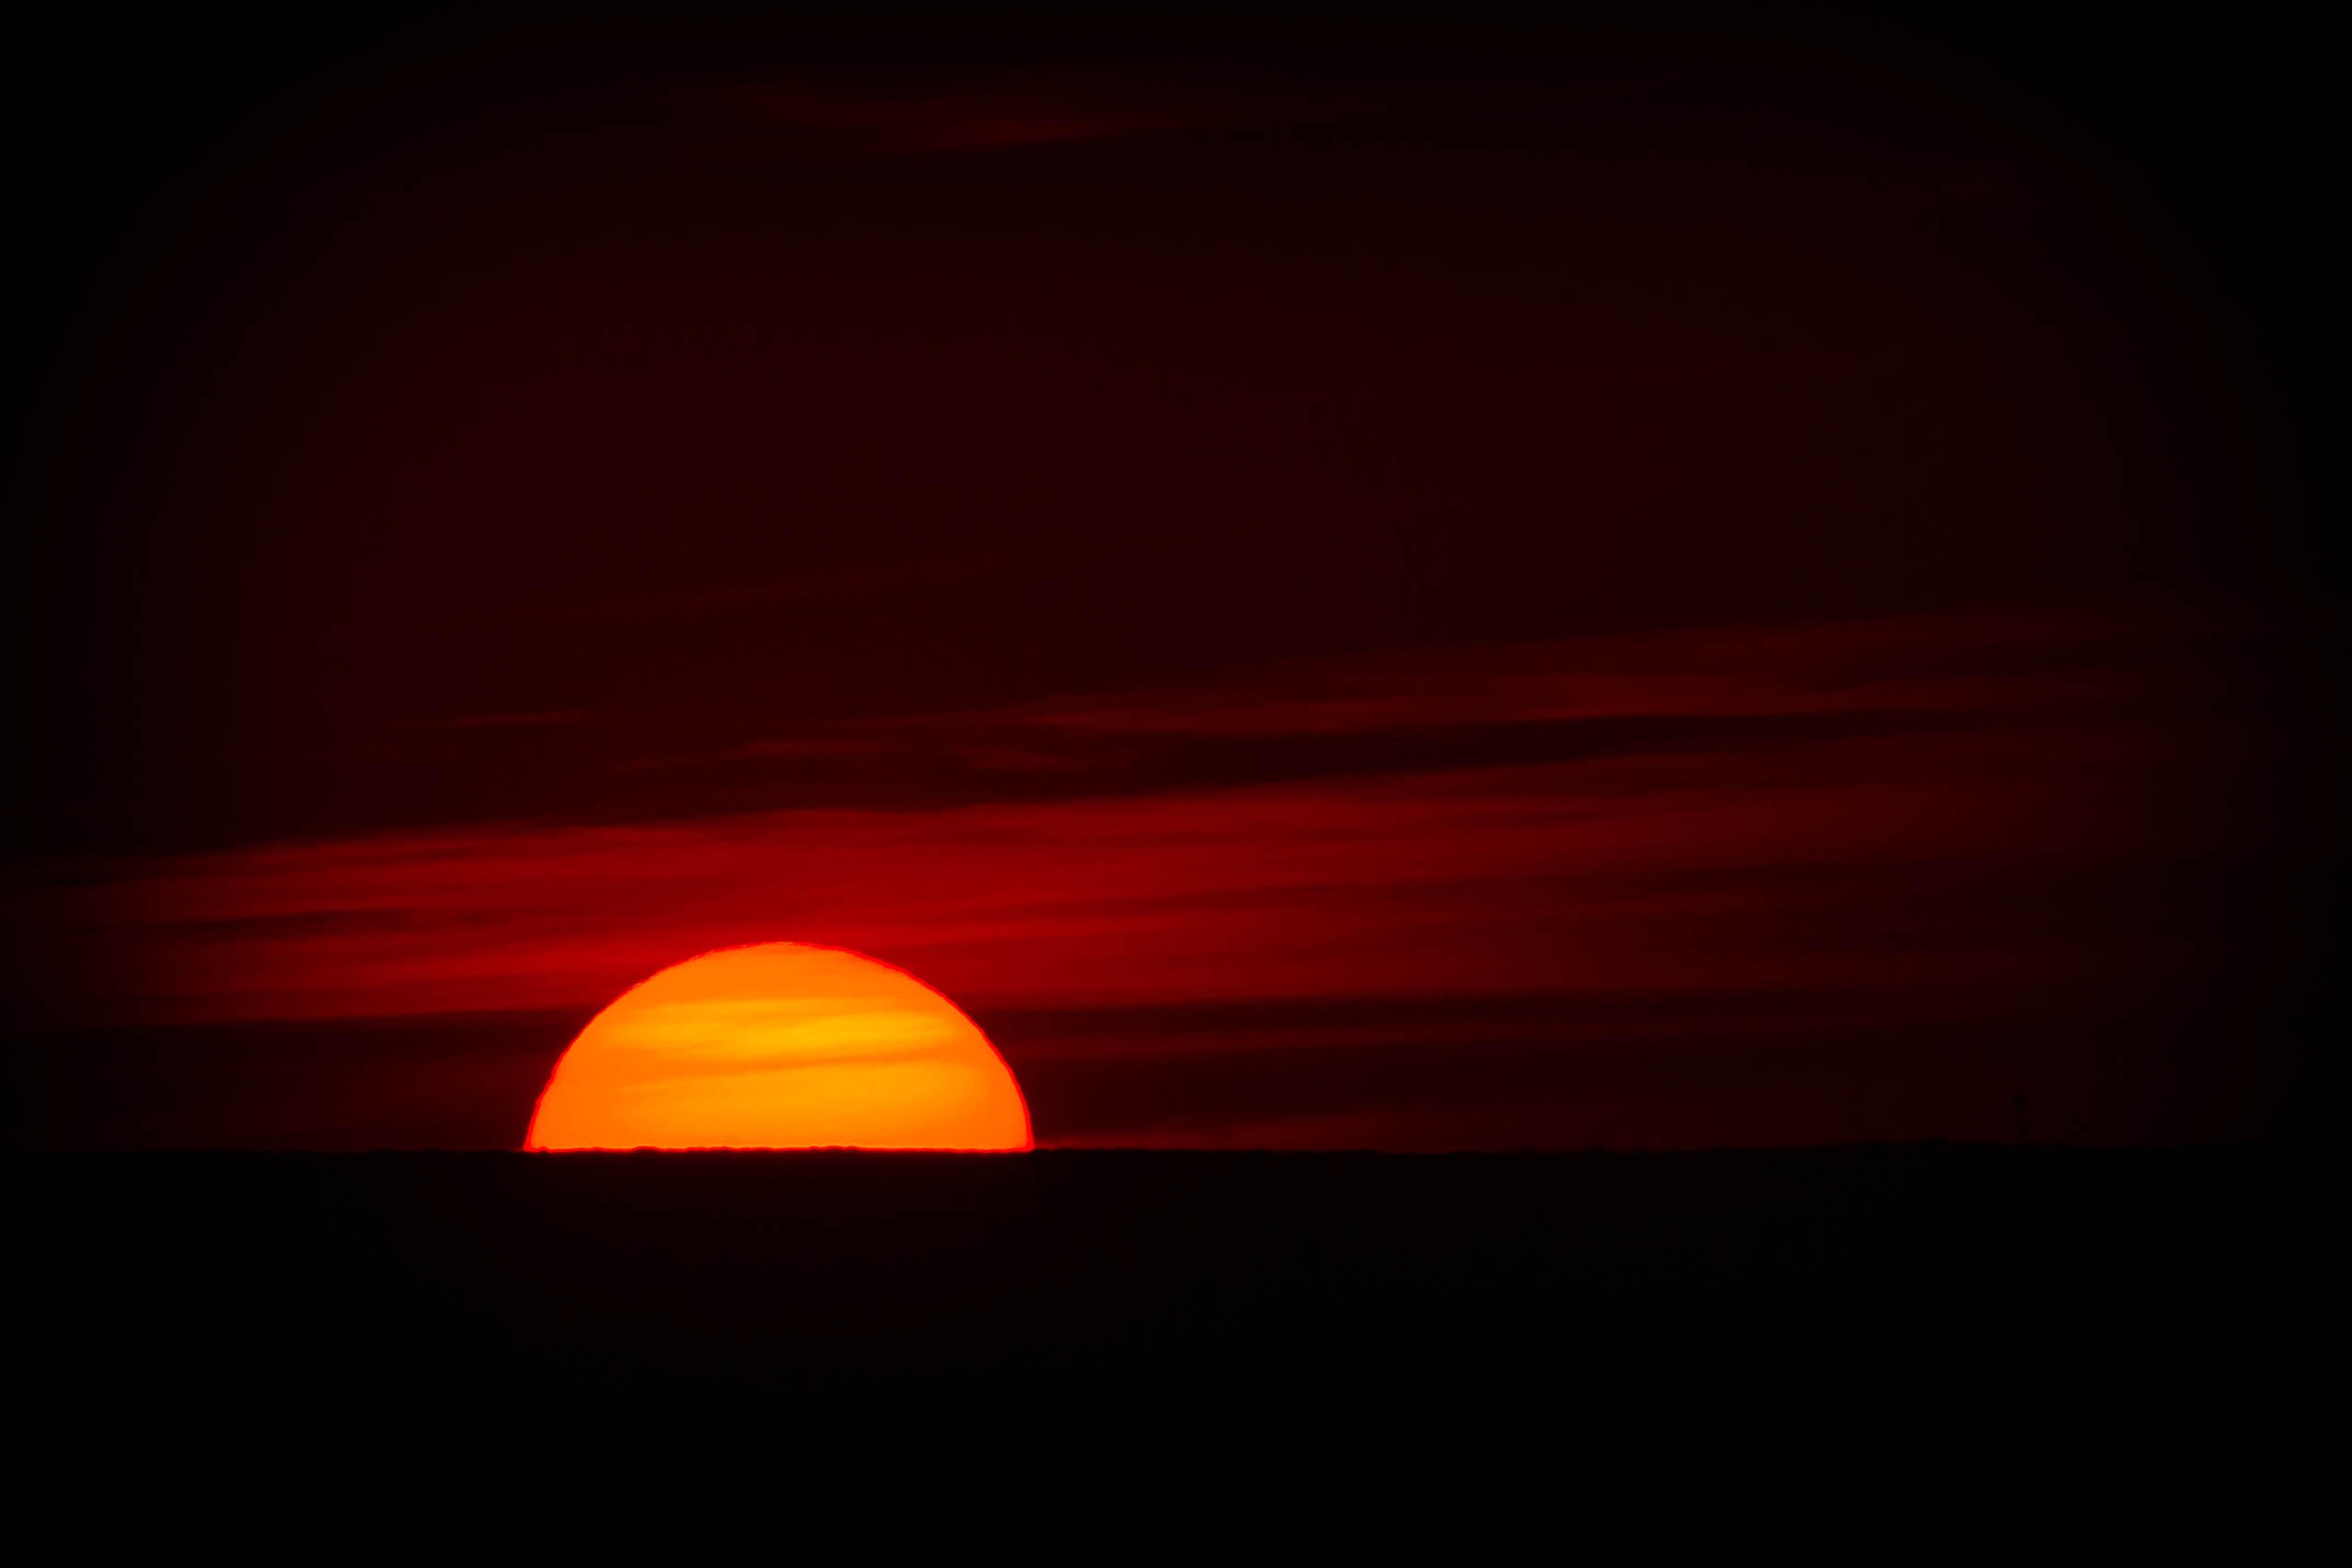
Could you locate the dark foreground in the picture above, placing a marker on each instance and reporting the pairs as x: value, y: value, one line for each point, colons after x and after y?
x: 2025, y: 1285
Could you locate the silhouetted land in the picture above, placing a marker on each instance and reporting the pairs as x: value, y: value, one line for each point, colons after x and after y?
x: 2021, y: 1283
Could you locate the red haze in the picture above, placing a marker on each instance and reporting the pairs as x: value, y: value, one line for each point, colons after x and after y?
x: 1733, y: 586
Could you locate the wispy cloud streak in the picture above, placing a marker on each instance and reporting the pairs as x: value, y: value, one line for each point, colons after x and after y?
x: 1995, y: 817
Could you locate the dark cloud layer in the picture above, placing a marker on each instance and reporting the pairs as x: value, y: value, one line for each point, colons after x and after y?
x: 411, y: 408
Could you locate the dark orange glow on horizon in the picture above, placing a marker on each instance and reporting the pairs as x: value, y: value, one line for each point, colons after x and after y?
x: 781, y: 1045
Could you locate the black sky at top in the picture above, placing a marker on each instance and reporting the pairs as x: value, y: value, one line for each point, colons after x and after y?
x: 417, y: 417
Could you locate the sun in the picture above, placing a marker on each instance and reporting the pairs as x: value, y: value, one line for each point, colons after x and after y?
x: 781, y: 1046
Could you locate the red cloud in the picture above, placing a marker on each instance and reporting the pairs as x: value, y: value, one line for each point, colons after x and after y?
x: 1996, y: 847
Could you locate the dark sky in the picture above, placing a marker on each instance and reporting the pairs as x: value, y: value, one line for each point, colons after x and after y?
x: 1733, y: 584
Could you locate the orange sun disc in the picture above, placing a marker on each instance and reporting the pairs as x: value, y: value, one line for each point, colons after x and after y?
x: 781, y: 1046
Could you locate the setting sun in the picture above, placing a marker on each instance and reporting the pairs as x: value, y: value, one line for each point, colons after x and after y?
x: 781, y: 1045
